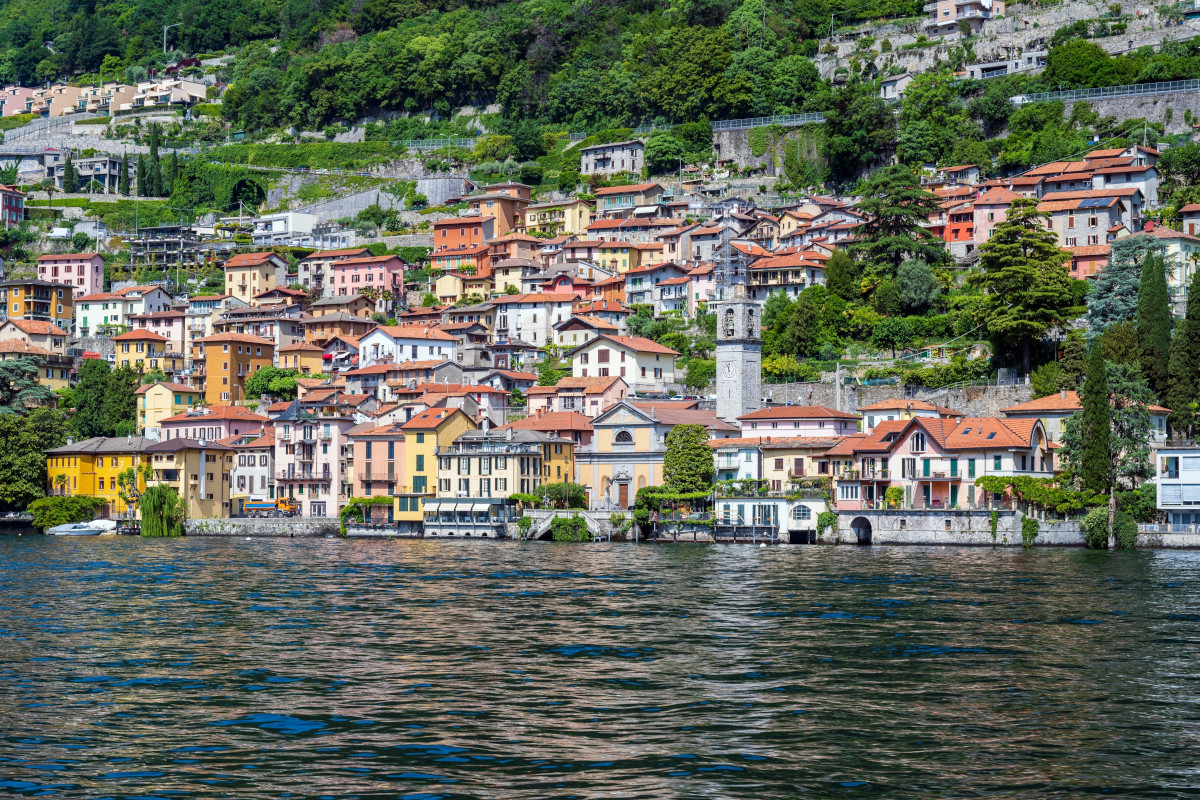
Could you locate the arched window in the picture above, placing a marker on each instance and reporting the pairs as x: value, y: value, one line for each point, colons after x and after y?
x: 624, y: 437
x: 802, y: 513
x: 642, y: 482
x: 729, y: 322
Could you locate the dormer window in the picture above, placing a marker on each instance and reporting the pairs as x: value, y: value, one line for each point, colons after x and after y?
x: 917, y: 443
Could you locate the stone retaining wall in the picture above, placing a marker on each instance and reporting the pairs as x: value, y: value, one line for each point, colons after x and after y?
x: 976, y: 401
x: 298, y: 527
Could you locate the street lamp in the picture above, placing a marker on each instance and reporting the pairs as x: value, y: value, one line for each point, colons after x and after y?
x: 165, y: 29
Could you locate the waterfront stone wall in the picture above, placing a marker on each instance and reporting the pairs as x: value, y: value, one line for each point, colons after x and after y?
x: 298, y: 527
x: 942, y: 527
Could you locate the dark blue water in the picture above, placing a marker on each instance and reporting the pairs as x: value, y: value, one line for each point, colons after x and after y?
x: 302, y: 668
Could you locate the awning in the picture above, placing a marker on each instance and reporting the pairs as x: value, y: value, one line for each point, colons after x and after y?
x: 481, y: 507
x: 645, y: 210
x: 462, y: 507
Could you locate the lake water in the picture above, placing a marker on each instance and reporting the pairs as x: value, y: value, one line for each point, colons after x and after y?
x: 382, y: 669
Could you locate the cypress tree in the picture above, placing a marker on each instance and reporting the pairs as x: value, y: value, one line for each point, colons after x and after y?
x: 1096, y: 468
x: 70, y: 181
x: 153, y: 167
x: 123, y: 180
x: 1154, y: 322
x: 1183, y: 367
x: 141, y: 177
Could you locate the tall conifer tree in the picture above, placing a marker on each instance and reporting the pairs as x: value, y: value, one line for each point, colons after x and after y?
x: 1183, y: 368
x: 1154, y: 322
x: 1096, y: 468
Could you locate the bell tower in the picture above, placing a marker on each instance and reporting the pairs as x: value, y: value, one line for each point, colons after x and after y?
x: 739, y: 340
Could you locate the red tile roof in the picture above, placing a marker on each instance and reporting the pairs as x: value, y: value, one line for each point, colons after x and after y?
x: 240, y: 413
x: 798, y: 412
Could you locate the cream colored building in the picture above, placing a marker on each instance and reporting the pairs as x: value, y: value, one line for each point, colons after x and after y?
x: 554, y: 219
x: 198, y: 470
x: 644, y: 364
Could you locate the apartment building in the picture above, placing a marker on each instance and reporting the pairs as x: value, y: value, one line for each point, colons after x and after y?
x: 221, y: 363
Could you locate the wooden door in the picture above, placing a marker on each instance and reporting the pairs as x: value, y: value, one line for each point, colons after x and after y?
x: 623, y: 495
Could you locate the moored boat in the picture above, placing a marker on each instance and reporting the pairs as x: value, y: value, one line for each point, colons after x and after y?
x: 97, y: 527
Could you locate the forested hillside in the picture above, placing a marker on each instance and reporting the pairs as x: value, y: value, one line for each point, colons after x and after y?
x: 579, y: 62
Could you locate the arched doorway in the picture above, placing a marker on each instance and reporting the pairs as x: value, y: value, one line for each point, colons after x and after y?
x: 862, y: 529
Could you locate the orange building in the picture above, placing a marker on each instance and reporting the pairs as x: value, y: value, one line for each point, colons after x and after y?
x: 221, y: 364
x: 455, y: 233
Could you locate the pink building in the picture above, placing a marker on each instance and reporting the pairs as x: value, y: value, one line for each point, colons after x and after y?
x: 169, y: 324
x: 212, y: 423
x: 378, y: 458
x: 84, y: 271
x: 991, y: 208
x: 15, y: 100
x: 798, y: 421
x: 349, y: 276
x: 310, y: 466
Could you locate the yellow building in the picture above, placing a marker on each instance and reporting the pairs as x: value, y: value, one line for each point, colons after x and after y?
x: 796, y: 458
x: 54, y: 370
x: 90, y: 468
x: 222, y: 362
x: 494, y: 464
x: 302, y: 356
x: 424, y: 434
x: 554, y: 219
x: 624, y: 256
x: 449, y: 287
x: 146, y: 351
x: 40, y: 301
x: 198, y: 472
x: 157, y: 401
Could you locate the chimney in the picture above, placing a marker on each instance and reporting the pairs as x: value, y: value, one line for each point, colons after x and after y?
x: 1062, y: 393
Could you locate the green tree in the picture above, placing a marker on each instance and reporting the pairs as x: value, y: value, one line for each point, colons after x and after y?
x: 887, y: 298
x: 88, y: 419
x: 70, y: 180
x: 1046, y: 379
x: 892, y: 332
x: 23, y: 445
x: 1073, y: 361
x: 142, y: 178
x: 273, y: 381
x: 933, y: 119
x: 1114, y: 295
x: 123, y: 178
x: 1025, y: 275
x: 918, y: 286
x: 429, y: 300
x: 1154, y: 322
x: 50, y: 512
x: 19, y: 387
x: 897, y: 210
x: 163, y: 511
x: 663, y: 153
x: 153, y: 167
x: 688, y: 461
x: 843, y: 275
x: 1183, y: 367
x: 701, y: 372
x: 859, y: 126
x: 119, y: 406
x: 1091, y: 452
x: 1119, y: 344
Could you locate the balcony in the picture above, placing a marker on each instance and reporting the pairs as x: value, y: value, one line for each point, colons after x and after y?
x: 284, y: 435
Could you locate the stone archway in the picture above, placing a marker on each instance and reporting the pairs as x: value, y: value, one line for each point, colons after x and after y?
x: 862, y: 529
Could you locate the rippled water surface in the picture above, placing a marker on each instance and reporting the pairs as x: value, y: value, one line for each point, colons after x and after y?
x: 328, y: 668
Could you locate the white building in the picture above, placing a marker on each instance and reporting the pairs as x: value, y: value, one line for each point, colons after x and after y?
x: 531, y: 317
x: 395, y: 344
x: 253, y: 473
x: 288, y: 228
x: 644, y: 364
x: 1177, y: 478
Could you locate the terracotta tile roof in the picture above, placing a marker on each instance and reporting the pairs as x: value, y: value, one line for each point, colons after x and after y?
x: 540, y: 390
x: 322, y: 254
x: 516, y: 376
x: 298, y: 346
x: 141, y: 335
x: 675, y: 281
x: 1190, y: 208
x: 235, y: 338
x: 66, y: 256
x: 798, y: 412
x: 900, y: 404
x: 1159, y: 232
x: 245, y: 442
x: 414, y: 332
x: 249, y: 259
x: 429, y: 419
x: 545, y: 297
x: 588, y: 385
x: 173, y: 387
x: 639, y: 344
x: 1083, y: 194
x: 637, y: 187
x: 1089, y: 250
x: 37, y: 327
x: 1065, y: 401
x: 551, y: 422
x: 220, y: 413
x: 801, y: 442
x: 282, y: 405
x: 365, y: 261
x: 594, y: 322
x: 988, y: 433
x: 848, y: 445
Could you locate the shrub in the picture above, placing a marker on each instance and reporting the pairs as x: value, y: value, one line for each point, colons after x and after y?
x: 49, y: 512
x: 1125, y: 531
x: 825, y: 520
x: 569, y: 529
x: 523, y: 525
x: 1029, y: 531
x: 1095, y: 529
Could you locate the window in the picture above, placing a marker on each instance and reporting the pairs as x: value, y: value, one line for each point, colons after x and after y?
x: 1169, y: 467
x: 802, y: 513
x: 916, y: 444
x: 848, y: 491
x: 624, y: 437
x: 908, y: 468
x: 420, y: 463
x: 996, y: 462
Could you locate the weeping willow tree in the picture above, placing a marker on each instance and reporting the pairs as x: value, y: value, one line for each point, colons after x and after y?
x: 163, y: 511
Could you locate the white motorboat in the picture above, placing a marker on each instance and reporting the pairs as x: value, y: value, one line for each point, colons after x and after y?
x: 97, y: 527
